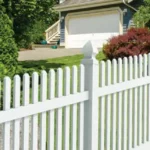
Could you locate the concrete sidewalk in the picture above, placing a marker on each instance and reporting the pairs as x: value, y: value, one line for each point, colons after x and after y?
x: 45, y: 53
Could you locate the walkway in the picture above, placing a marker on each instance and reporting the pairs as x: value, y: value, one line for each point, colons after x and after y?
x: 45, y: 53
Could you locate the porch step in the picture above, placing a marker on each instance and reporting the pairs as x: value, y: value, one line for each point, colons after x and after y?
x: 52, y: 43
x: 54, y: 40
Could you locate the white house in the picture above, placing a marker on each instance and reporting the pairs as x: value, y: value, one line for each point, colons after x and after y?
x: 97, y: 20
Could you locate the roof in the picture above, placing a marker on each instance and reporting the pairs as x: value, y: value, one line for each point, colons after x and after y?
x: 77, y: 4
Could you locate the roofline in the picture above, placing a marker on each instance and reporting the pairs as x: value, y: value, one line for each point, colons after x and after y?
x: 85, y: 5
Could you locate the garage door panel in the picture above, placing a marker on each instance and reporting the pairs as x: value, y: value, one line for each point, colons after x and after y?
x: 78, y: 41
x: 94, y: 24
x: 99, y: 28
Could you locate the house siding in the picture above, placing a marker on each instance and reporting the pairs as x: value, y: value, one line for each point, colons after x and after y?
x: 127, y: 17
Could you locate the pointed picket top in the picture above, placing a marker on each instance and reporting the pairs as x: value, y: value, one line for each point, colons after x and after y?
x: 89, y: 50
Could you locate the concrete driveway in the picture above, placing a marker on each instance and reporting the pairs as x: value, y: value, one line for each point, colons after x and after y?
x: 45, y: 53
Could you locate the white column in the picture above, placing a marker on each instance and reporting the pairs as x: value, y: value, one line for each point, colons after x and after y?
x: 91, y: 106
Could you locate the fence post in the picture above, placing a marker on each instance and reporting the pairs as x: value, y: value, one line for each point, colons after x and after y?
x: 91, y: 106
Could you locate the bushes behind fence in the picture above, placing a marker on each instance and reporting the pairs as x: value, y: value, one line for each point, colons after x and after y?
x: 136, y: 41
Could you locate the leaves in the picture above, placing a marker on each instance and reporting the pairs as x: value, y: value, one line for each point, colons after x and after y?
x: 136, y: 41
x: 8, y: 48
x: 142, y: 16
x: 26, y: 15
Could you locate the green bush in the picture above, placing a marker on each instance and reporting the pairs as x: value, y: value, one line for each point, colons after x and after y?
x: 30, y: 19
x: 33, y: 34
x: 142, y: 16
x: 21, y: 71
x: 8, y: 48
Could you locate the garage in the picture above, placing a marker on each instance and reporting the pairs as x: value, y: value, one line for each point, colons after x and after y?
x: 98, y: 27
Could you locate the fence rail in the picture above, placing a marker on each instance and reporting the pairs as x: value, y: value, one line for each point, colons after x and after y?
x: 96, y: 106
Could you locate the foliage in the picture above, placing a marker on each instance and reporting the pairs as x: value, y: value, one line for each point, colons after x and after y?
x: 30, y: 18
x: 3, y: 71
x: 142, y: 16
x: 101, y: 56
x: 21, y: 71
x: 38, y: 32
x: 8, y: 48
x: 136, y: 41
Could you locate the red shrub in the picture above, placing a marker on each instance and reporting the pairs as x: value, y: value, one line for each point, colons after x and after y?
x: 136, y: 41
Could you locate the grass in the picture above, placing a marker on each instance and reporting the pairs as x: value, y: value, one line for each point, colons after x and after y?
x: 56, y: 62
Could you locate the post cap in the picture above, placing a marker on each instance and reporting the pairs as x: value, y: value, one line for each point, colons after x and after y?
x: 89, y: 50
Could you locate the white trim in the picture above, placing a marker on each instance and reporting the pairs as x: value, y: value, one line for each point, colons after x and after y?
x: 62, y: 44
x: 92, y: 13
x: 86, y: 5
x: 129, y: 5
x: 56, y: 23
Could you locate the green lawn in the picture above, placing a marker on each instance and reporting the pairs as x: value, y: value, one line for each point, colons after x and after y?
x: 55, y: 63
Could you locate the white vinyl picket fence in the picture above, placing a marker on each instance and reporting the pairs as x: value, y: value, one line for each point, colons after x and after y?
x: 96, y: 106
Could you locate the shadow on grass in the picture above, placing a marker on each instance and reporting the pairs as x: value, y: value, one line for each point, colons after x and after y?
x: 42, y: 64
x: 52, y: 63
x: 55, y: 63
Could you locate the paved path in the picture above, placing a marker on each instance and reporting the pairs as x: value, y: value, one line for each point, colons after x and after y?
x: 45, y: 53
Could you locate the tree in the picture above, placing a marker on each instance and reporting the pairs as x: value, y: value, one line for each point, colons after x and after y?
x: 25, y: 14
x: 8, y: 47
x: 142, y: 16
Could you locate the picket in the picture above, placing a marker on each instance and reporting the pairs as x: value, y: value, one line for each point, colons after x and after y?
x: 34, y: 135
x: 148, y: 112
x: 102, y: 106
x: 74, y: 109
x: 108, y: 105
x: 6, y: 106
x: 119, y: 106
x: 67, y: 110
x: 140, y: 121
x: 16, y: 104
x: 135, y: 104
x: 145, y: 101
x: 114, y: 104
x: 25, y: 126
x: 129, y: 131
x: 51, y: 113
x: 43, y: 92
x: 124, y: 107
x: 59, y: 111
x: 81, y: 109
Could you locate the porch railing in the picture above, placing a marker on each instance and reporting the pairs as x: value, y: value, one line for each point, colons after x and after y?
x: 52, y: 31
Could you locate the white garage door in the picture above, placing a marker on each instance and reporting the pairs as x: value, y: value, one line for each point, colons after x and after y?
x: 98, y: 27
